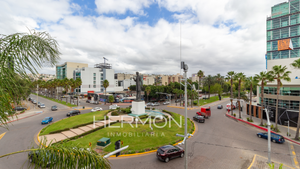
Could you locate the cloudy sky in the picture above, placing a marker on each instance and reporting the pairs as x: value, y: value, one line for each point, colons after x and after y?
x: 217, y: 36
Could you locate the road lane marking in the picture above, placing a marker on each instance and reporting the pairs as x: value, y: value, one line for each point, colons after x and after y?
x: 1, y: 135
x: 294, y: 156
x: 252, y: 161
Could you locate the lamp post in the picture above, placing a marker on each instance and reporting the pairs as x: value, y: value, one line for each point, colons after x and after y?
x: 269, y: 137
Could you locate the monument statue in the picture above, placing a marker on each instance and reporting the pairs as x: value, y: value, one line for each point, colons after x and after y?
x: 139, y: 85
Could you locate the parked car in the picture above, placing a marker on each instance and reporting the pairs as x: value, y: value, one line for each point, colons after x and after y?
x: 38, y: 104
x: 276, y: 138
x: 73, y: 112
x: 92, y: 102
x: 199, y: 119
x: 228, y: 106
x: 47, y: 120
x: 53, y: 108
x: 114, y: 106
x: 167, y: 152
x: 96, y: 109
x: 166, y: 103
x: 177, y: 101
x: 19, y: 108
x: 42, y: 105
x: 34, y: 102
x: 156, y: 104
x: 39, y: 157
x: 220, y: 106
x: 29, y: 99
x: 88, y: 101
x: 150, y: 104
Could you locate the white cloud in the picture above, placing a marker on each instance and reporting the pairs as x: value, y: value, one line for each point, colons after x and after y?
x: 121, y: 6
x: 131, y: 46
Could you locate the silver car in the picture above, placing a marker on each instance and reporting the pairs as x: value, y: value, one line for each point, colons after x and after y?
x: 42, y: 105
x: 156, y: 104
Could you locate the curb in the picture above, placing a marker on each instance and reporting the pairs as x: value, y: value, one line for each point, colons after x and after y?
x: 128, y: 155
x: 262, y: 128
x: 183, y: 107
x: 21, y: 118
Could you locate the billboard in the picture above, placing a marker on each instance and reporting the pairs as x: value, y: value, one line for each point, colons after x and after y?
x: 285, y: 44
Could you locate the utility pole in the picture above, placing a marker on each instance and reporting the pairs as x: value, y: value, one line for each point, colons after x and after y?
x: 269, y: 137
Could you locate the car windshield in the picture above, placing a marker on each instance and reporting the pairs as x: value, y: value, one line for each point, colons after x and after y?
x: 47, y: 118
x: 42, y: 104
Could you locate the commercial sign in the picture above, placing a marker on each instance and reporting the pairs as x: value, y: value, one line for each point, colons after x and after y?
x: 285, y: 44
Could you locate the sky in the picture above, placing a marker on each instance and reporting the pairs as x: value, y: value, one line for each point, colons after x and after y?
x: 149, y: 36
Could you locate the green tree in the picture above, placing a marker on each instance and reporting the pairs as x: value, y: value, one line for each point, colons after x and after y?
x: 250, y: 81
x: 279, y: 73
x: 217, y: 88
x: 230, y: 76
x: 111, y: 99
x: 200, y: 74
x: 209, y: 81
x: 105, y: 85
x: 263, y: 78
x: 296, y: 65
x: 78, y: 83
x: 66, y: 85
x: 239, y: 77
x: 148, y: 90
x: 72, y: 84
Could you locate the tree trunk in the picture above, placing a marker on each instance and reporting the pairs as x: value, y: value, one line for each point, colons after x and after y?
x: 231, y: 95
x: 262, y: 102
x: 276, y: 114
x: 239, y: 97
x: 105, y: 96
x: 250, y: 102
x: 298, y: 126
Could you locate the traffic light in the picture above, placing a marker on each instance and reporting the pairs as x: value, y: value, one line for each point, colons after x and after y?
x: 117, y: 146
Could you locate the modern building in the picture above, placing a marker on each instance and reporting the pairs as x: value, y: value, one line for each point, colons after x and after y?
x: 66, y: 70
x: 194, y: 77
x: 283, y: 24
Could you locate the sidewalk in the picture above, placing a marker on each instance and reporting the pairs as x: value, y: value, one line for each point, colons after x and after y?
x: 283, y: 129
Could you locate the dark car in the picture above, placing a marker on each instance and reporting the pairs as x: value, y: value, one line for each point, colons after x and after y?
x: 199, y: 119
x: 53, y: 108
x: 220, y: 106
x: 73, y: 112
x: 88, y: 101
x: 167, y: 152
x: 19, y: 108
x: 40, y: 158
x: 276, y: 138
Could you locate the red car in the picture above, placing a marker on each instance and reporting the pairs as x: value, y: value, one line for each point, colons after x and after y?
x: 168, y: 152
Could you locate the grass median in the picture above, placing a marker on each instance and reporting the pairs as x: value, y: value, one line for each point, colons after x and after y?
x: 57, y: 101
x: 140, y: 137
x: 74, y: 121
x: 210, y: 100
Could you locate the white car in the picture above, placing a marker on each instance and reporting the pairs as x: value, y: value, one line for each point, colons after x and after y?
x: 96, y: 109
x: 114, y: 106
x: 42, y: 105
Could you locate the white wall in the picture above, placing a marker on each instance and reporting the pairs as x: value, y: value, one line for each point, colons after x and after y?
x: 87, y: 78
x: 109, y: 74
x: 286, y: 62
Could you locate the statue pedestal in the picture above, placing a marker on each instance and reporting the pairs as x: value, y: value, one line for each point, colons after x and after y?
x: 138, y: 108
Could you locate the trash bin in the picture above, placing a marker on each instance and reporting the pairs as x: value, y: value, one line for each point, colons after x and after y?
x: 103, y: 142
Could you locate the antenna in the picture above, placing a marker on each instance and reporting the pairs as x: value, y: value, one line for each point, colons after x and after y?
x: 104, y: 60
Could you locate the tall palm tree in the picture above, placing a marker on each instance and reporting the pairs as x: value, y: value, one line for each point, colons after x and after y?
x: 148, y: 90
x: 176, y: 92
x: 263, y: 77
x: 230, y: 76
x: 180, y: 93
x: 209, y: 81
x: 296, y: 65
x: 250, y: 81
x: 279, y: 73
x: 66, y: 86
x: 105, y: 85
x: 78, y: 82
x: 72, y: 84
x: 240, y: 77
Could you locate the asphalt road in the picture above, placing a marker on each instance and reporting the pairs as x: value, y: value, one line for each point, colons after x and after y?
x: 220, y: 142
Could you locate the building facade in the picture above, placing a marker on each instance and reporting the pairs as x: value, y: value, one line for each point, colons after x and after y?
x: 66, y: 70
x: 284, y: 23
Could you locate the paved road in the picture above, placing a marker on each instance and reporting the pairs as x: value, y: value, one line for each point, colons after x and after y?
x: 232, y: 144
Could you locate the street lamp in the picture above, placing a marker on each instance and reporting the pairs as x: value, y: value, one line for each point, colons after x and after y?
x: 269, y: 137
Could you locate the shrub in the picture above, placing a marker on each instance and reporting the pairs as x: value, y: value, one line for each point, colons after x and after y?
x: 272, y: 126
x: 127, y: 110
x: 234, y: 114
x: 248, y: 119
x: 114, y: 113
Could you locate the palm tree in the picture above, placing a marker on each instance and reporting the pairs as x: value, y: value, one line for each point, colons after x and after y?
x: 78, y: 84
x: 180, y: 92
x: 263, y: 77
x: 279, y: 73
x: 220, y: 79
x: 200, y: 74
x: 176, y: 92
x: 209, y: 81
x: 230, y: 76
x: 66, y: 85
x: 105, y: 85
x: 72, y: 86
x: 296, y: 65
x: 250, y: 81
x: 148, y: 90
x: 29, y: 53
x: 240, y: 77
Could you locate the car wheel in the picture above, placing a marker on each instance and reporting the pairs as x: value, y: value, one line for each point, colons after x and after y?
x: 274, y: 141
x: 167, y: 160
x: 182, y: 155
x: 259, y: 136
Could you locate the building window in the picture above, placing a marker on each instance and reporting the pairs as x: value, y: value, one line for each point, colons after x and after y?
x: 101, y: 85
x: 101, y: 78
x: 94, y: 78
x: 94, y: 82
x: 89, y: 86
x: 101, y: 74
x: 94, y: 74
x: 94, y: 86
